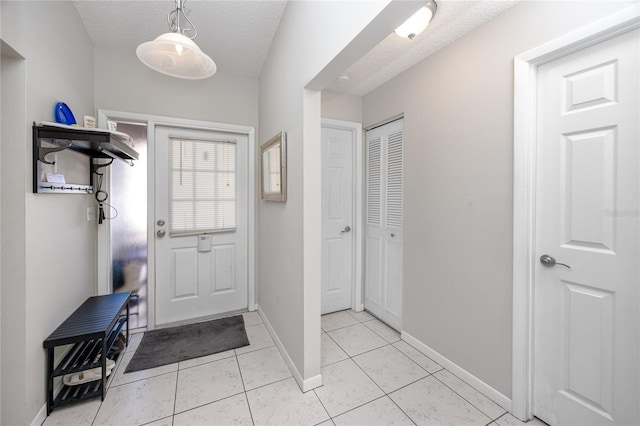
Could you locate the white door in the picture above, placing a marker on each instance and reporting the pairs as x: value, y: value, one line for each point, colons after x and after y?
x: 586, y: 314
x: 383, y: 246
x: 201, y: 223
x: 337, y: 219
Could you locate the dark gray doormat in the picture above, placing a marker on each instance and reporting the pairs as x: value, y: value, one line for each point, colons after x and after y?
x: 169, y: 345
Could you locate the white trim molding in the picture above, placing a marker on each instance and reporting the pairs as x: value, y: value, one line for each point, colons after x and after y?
x: 40, y: 417
x: 524, y: 207
x: 357, y: 296
x: 476, y: 383
x: 305, y: 385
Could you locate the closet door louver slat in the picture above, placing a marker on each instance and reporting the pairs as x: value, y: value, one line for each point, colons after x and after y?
x: 394, y: 180
x: 374, y: 182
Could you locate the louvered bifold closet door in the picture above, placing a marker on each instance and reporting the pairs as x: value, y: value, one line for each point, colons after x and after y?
x: 383, y: 245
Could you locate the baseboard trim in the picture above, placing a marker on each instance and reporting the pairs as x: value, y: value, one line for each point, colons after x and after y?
x: 488, y: 391
x: 305, y: 385
x: 41, y: 416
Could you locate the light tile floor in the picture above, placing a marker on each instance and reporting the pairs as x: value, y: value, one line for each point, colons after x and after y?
x: 370, y: 377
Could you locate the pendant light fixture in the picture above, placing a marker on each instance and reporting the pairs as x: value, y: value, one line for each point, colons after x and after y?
x: 175, y: 53
x: 418, y: 22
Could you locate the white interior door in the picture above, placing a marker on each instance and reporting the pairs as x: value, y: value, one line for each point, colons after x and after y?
x: 201, y: 223
x: 337, y: 219
x: 383, y: 246
x: 587, y: 217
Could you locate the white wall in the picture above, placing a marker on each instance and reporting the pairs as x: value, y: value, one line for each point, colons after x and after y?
x: 340, y: 106
x: 123, y: 83
x: 458, y: 108
x: 0, y: 217
x: 53, y: 238
x: 12, y: 222
x: 289, y: 276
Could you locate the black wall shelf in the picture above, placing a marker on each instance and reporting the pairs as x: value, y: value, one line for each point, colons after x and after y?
x: 94, y: 143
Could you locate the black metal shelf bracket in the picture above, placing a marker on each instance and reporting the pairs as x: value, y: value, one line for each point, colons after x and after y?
x: 43, y: 152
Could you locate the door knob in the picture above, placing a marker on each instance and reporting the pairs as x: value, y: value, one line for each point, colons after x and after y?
x: 161, y: 233
x: 160, y: 222
x: 346, y: 229
x: 550, y: 262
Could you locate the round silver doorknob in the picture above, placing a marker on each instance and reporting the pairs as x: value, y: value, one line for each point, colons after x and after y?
x: 160, y: 222
x: 346, y: 229
x: 550, y: 262
x: 161, y: 233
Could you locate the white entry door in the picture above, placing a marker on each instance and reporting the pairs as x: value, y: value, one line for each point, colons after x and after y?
x: 201, y: 223
x: 383, y: 246
x: 587, y: 325
x: 337, y: 219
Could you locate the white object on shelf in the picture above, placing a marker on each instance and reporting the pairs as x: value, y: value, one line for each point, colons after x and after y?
x: 119, y: 135
x: 55, y: 178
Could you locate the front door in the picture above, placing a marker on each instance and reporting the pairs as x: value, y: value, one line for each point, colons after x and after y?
x: 587, y: 237
x: 200, y: 222
x: 337, y: 219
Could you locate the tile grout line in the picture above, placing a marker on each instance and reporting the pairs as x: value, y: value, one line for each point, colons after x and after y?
x: 175, y: 396
x: 207, y: 403
x: 253, y: 350
x: 359, y: 406
x: 419, y: 366
x: 388, y: 394
x: 380, y: 335
x: 113, y: 376
x: 465, y: 399
x: 269, y: 384
x: 323, y: 407
x: 370, y: 378
x: 246, y: 397
x: 144, y: 378
x: 367, y: 351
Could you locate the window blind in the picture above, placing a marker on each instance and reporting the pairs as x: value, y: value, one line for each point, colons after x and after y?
x: 203, y: 186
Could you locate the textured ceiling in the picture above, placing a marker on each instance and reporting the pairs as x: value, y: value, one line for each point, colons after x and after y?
x: 235, y: 34
x: 453, y: 19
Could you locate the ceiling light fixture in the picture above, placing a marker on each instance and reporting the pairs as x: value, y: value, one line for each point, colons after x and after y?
x: 176, y: 54
x: 418, y: 22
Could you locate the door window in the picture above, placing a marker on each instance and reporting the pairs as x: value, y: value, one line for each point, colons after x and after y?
x: 203, y: 186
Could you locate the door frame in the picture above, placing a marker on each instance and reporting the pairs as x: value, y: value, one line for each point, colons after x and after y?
x: 104, y: 253
x: 357, y: 295
x: 524, y: 188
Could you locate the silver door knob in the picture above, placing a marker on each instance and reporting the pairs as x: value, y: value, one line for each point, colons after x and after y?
x: 160, y: 222
x: 161, y: 233
x: 346, y: 229
x: 550, y: 262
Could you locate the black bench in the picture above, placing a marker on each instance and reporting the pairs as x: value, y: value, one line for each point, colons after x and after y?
x: 92, y: 329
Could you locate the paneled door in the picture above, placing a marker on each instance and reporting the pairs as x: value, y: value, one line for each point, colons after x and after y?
x: 383, y: 245
x: 337, y: 219
x: 587, y: 278
x: 201, y: 223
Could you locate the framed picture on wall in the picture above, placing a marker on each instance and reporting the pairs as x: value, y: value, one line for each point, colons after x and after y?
x: 274, y: 168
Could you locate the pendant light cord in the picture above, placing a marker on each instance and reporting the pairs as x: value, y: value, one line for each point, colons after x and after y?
x: 173, y: 19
